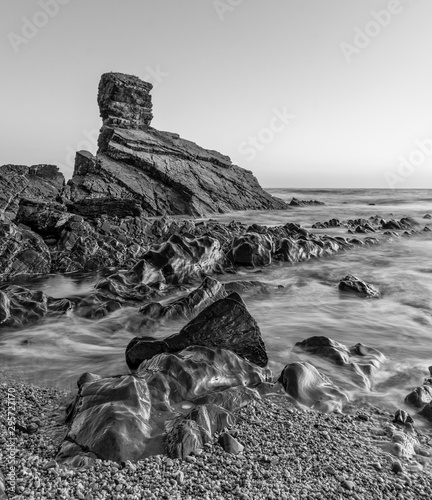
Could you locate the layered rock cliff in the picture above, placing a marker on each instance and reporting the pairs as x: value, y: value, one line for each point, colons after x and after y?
x: 160, y: 171
x: 38, y: 182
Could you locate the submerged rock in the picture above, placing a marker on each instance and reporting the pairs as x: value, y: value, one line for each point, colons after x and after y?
x: 362, y: 360
x: 162, y: 172
x: 356, y: 285
x: 124, y: 418
x: 225, y: 324
x: 301, y: 203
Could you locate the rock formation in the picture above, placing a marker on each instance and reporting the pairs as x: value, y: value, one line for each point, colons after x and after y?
x: 224, y: 324
x: 352, y: 284
x: 38, y: 182
x: 161, y: 172
x: 125, y: 418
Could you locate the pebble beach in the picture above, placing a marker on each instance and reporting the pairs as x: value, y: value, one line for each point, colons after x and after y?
x: 288, y: 453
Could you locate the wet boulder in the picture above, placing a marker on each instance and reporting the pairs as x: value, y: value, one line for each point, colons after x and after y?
x: 327, y: 224
x: 361, y: 360
x: 131, y: 417
x: 225, y: 324
x: 188, y: 433
x: 420, y: 396
x: 252, y: 249
x: 426, y: 412
x: 310, y: 388
x: 300, y: 249
x: 174, y: 262
x: 21, y: 306
x: 356, y: 285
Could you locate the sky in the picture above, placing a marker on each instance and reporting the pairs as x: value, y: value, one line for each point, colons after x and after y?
x: 305, y: 93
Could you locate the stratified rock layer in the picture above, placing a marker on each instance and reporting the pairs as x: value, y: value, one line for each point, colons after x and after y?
x: 162, y: 172
x: 38, y: 182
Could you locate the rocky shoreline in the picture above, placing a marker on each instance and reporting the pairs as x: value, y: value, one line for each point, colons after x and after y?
x: 287, y: 454
x: 200, y: 414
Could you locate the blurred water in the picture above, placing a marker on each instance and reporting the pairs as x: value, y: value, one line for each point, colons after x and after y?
x: 399, y: 324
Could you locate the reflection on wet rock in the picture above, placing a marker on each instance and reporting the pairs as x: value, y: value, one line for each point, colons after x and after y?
x: 128, y: 417
x: 310, y: 388
x: 20, y: 306
x: 362, y: 360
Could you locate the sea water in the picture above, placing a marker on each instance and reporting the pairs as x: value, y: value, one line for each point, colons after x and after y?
x: 308, y: 303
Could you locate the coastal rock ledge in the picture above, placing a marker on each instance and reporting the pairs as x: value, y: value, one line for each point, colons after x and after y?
x: 163, y: 173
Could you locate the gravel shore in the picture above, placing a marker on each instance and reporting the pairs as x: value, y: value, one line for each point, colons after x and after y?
x: 288, y: 454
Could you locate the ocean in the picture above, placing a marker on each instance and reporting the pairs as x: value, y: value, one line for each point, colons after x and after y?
x: 399, y: 324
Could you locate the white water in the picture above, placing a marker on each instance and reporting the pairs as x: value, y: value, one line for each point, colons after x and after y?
x: 399, y: 324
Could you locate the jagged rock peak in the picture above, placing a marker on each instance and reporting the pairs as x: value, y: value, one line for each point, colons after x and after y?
x: 125, y: 101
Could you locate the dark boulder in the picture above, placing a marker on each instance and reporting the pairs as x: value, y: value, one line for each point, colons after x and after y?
x: 420, y: 396
x: 225, y: 324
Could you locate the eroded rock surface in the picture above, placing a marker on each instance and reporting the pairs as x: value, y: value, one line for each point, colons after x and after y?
x: 126, y: 417
x: 164, y: 173
x: 38, y: 182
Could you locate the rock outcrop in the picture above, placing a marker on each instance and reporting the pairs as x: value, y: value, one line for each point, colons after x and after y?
x: 160, y: 171
x: 38, y: 182
x: 352, y: 284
